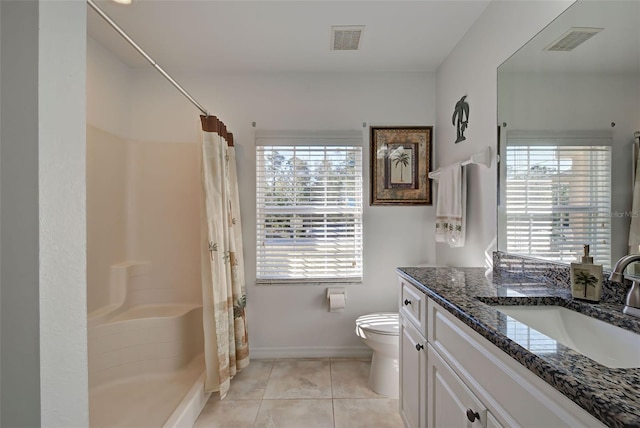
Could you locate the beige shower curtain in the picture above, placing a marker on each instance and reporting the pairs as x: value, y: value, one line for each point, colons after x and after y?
x: 223, y: 288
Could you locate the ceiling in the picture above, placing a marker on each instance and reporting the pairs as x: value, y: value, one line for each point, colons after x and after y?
x: 285, y: 36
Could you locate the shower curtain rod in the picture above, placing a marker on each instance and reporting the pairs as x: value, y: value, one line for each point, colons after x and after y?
x: 171, y: 80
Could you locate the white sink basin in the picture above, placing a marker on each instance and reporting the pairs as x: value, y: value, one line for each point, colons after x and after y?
x: 605, y: 343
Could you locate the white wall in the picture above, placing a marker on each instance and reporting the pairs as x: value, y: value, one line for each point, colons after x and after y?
x: 470, y: 70
x: 287, y: 320
x: 62, y: 217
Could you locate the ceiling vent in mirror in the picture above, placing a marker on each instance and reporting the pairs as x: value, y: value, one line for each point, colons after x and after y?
x: 346, y: 38
x: 572, y: 39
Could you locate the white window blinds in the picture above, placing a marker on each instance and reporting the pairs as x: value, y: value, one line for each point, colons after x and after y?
x: 558, y: 196
x: 309, y: 209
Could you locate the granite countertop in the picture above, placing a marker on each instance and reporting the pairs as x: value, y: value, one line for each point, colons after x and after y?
x: 611, y: 395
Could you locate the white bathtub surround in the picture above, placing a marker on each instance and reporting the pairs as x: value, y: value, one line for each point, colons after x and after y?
x: 223, y: 286
x: 144, y: 300
x: 125, y: 281
x: 143, y: 361
x: 191, y: 406
x: 144, y: 400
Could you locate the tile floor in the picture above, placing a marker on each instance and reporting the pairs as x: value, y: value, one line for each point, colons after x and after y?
x: 305, y: 393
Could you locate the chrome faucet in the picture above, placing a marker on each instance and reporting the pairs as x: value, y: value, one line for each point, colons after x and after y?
x: 632, y: 304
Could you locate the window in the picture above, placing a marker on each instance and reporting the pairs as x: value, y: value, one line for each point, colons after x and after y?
x: 309, y: 208
x: 558, y: 195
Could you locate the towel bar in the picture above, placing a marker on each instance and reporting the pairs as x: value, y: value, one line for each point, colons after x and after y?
x: 481, y: 158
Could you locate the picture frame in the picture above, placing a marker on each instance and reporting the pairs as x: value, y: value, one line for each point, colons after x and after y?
x: 400, y: 161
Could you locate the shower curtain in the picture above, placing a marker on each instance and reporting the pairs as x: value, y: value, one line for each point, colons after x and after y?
x: 223, y: 287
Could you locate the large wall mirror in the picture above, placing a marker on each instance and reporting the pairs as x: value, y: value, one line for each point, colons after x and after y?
x: 568, y: 109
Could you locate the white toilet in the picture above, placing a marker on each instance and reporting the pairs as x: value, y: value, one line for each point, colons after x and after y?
x: 380, y: 332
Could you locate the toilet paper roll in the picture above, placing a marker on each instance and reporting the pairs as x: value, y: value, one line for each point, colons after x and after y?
x: 336, y: 302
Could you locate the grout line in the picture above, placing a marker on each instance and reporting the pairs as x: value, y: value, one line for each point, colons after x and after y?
x: 333, y: 409
x: 255, y: 420
x: 333, y: 412
x: 266, y: 385
x: 331, y: 378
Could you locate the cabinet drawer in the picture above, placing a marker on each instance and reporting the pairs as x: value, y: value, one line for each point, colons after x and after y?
x: 413, y: 306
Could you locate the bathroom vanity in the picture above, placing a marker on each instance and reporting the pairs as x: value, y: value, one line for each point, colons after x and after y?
x: 464, y: 363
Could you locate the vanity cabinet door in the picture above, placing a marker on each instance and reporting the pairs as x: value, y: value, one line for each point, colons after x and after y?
x: 449, y: 402
x: 413, y: 358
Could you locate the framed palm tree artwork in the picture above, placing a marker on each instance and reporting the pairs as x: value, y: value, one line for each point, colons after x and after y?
x: 400, y: 164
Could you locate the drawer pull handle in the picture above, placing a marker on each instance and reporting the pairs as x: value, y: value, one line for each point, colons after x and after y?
x: 407, y: 302
x: 419, y: 347
x: 472, y: 416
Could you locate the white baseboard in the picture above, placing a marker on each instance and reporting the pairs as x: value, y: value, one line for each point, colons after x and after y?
x: 310, y: 352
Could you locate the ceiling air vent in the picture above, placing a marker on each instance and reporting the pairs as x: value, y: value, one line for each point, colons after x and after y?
x: 572, y: 39
x: 346, y: 38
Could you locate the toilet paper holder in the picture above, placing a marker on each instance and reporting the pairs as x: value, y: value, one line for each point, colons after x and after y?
x: 337, y: 303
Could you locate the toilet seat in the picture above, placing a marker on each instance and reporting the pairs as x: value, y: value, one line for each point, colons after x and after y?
x: 384, y: 323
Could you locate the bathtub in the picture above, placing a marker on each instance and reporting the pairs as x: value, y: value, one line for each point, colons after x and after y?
x: 146, y: 365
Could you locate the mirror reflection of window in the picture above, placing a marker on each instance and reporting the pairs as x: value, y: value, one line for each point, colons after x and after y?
x: 557, y: 195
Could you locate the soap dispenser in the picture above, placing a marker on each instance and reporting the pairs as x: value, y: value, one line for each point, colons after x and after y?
x: 586, y: 278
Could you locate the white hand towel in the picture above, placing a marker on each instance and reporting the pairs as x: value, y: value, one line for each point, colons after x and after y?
x: 451, y: 205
